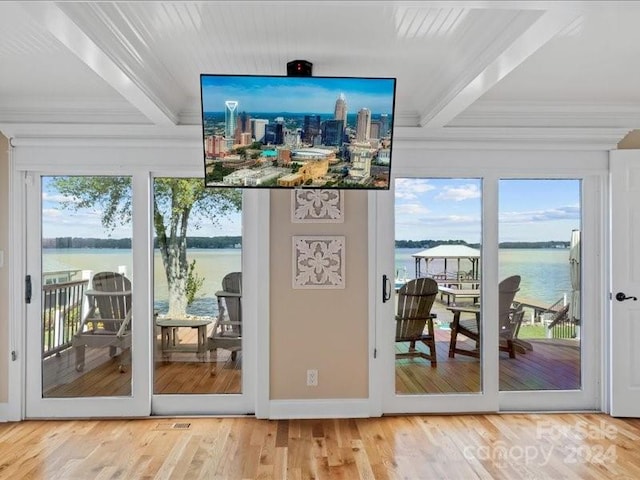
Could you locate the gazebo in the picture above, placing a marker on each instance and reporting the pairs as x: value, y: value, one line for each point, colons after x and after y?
x: 448, y: 253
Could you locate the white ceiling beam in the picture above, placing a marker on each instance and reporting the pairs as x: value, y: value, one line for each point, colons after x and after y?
x: 538, y: 34
x: 80, y: 44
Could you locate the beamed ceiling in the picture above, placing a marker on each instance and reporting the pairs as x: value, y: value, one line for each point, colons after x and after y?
x: 487, y: 71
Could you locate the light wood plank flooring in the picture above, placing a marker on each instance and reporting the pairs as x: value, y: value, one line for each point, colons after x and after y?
x: 467, y: 447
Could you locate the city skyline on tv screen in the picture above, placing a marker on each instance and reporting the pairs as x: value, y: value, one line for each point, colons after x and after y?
x: 290, y: 132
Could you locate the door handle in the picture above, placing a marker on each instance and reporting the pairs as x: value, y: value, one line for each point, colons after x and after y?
x: 27, y: 289
x: 621, y: 297
x: 386, y: 292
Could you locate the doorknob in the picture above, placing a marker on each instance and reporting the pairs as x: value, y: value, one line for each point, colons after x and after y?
x: 621, y: 297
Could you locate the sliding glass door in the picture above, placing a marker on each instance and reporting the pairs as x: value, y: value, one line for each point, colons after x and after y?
x: 84, y: 294
x: 137, y: 304
x: 432, y: 341
x: 488, y: 288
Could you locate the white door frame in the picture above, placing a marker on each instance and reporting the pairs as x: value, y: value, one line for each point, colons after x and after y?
x: 155, y: 157
x: 492, y: 166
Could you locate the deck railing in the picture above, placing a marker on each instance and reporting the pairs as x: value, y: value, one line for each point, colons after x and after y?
x: 560, y: 325
x: 565, y: 328
x: 555, y: 319
x: 61, y: 314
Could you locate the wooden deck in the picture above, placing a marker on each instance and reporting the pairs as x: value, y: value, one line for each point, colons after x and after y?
x: 182, y: 373
x: 553, y: 364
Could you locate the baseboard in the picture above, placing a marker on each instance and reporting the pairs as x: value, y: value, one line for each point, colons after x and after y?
x: 8, y: 414
x: 328, y: 408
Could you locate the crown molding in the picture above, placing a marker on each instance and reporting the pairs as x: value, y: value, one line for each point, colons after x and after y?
x: 189, y: 136
x: 501, y: 138
x: 99, y: 135
x: 548, y: 114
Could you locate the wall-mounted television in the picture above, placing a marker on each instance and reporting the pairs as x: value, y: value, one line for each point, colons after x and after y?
x: 267, y: 131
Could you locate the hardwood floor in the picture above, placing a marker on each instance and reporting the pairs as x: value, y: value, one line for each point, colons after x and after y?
x: 508, y: 446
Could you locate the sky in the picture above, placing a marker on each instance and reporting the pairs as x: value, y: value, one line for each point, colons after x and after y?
x: 60, y: 222
x: 296, y: 94
x: 450, y: 209
x: 426, y: 209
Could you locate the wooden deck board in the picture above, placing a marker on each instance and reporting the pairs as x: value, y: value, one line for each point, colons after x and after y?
x: 553, y: 364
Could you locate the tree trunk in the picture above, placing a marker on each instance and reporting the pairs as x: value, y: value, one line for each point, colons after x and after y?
x: 176, y: 268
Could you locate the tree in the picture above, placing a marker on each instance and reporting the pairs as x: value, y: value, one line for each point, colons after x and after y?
x: 178, y: 203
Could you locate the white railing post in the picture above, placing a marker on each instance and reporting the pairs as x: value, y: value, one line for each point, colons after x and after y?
x: 86, y: 275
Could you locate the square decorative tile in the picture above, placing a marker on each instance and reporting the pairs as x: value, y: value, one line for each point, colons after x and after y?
x: 318, y: 261
x: 317, y: 206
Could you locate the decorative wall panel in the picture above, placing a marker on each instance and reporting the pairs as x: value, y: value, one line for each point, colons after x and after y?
x: 317, y: 206
x: 318, y: 261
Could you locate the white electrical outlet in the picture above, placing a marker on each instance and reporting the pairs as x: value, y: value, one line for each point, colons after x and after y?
x: 312, y: 378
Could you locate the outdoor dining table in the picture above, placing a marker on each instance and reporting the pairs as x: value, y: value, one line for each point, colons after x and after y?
x: 452, y: 292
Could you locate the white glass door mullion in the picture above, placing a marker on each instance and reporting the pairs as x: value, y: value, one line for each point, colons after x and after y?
x: 490, y: 295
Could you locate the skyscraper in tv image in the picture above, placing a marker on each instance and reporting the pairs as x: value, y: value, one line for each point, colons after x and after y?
x: 363, y: 126
x: 340, y: 112
x: 311, y: 128
x: 230, y: 121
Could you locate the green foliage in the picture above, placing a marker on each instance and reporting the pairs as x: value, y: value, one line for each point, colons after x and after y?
x: 218, y: 172
x: 431, y: 243
x: 177, y: 200
x: 125, y: 243
x: 179, y: 204
x: 532, y: 331
x: 435, y: 243
x: 194, y: 283
x: 109, y: 195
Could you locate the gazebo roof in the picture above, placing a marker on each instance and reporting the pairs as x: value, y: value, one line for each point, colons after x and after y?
x: 448, y: 251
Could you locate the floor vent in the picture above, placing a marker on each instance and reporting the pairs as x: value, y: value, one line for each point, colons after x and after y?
x: 181, y: 426
x: 173, y: 426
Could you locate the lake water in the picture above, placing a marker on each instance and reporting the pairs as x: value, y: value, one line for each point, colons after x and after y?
x: 544, y: 272
x: 211, y: 265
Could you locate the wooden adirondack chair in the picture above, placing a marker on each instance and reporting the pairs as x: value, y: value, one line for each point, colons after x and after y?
x: 107, y: 322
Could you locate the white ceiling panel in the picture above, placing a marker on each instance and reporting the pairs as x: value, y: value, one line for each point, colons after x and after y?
x: 489, y: 64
